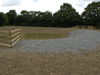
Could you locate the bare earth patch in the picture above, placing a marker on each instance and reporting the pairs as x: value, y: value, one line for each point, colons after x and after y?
x: 13, y: 63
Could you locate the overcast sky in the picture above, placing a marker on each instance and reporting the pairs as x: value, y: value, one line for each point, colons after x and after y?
x: 41, y: 5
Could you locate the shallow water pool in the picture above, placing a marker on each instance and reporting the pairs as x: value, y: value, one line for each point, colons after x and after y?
x: 45, y: 35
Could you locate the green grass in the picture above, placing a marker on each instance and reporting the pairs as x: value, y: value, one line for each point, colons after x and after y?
x: 45, y: 35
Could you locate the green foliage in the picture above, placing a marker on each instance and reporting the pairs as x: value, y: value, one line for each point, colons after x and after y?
x: 3, y: 19
x: 98, y: 26
x: 66, y: 16
x: 11, y: 15
x: 91, y: 15
x: 34, y: 18
x: 18, y: 19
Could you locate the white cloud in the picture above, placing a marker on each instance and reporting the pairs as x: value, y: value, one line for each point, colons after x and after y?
x: 42, y: 5
x: 6, y: 3
x: 35, y: 0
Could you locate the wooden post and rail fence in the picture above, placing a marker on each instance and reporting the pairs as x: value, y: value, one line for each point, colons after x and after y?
x: 84, y: 27
x: 12, y: 37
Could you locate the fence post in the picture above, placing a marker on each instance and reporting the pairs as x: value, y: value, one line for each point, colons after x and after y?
x: 88, y: 27
x: 20, y: 34
x: 10, y: 35
x: 77, y: 26
x: 83, y: 26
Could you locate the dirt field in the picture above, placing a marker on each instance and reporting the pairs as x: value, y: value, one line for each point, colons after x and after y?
x: 13, y: 63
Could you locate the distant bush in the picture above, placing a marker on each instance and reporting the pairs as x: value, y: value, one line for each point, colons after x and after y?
x: 98, y: 26
x: 3, y: 19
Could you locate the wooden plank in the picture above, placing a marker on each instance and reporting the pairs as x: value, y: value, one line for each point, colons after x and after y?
x: 4, y: 31
x: 14, y: 34
x: 77, y: 26
x: 22, y: 34
x: 16, y: 41
x: 83, y: 26
x: 15, y: 38
x: 15, y: 30
x: 4, y: 44
x: 23, y: 37
x: 4, y: 40
x: 10, y: 38
x: 3, y: 35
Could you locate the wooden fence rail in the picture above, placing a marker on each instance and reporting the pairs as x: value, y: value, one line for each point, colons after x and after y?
x: 12, y: 37
x: 84, y: 27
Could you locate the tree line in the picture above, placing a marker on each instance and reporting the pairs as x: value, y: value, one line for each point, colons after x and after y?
x: 65, y: 17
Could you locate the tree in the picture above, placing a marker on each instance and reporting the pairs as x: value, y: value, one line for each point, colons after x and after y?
x: 48, y: 19
x: 3, y: 19
x: 41, y: 19
x: 36, y: 18
x: 23, y: 19
x: 66, y: 16
x: 11, y: 15
x: 32, y: 13
x: 91, y: 15
x: 18, y: 20
x: 25, y: 16
x: 45, y: 19
x: 57, y: 19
